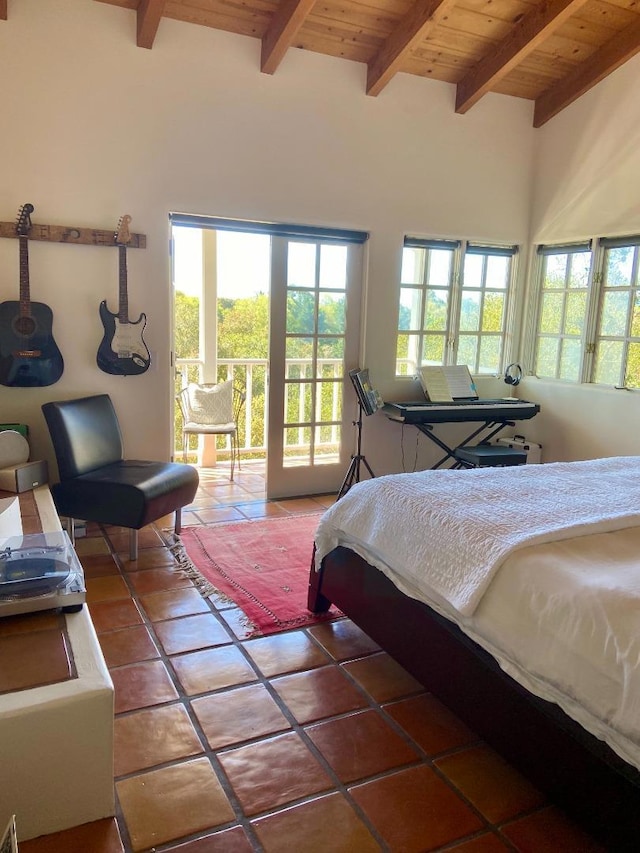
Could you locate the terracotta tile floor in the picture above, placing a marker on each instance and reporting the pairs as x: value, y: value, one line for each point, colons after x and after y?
x: 311, y: 740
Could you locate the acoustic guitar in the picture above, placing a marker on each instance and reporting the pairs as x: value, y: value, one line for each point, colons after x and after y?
x: 122, y: 350
x: 29, y: 356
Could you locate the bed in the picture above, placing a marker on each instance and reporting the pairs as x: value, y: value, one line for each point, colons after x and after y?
x: 513, y: 594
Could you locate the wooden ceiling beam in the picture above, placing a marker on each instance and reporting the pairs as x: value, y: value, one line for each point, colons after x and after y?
x: 286, y: 23
x: 526, y: 36
x: 614, y: 53
x: 421, y: 19
x: 3, y: 10
x: 149, y: 14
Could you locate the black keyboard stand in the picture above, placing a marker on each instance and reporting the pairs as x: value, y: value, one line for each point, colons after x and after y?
x: 494, y: 428
x: 353, y: 472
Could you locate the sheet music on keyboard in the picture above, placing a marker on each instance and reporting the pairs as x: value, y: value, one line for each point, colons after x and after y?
x: 444, y: 383
x: 435, y: 384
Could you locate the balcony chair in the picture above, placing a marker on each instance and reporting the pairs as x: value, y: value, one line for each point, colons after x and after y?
x: 98, y: 484
x: 211, y: 409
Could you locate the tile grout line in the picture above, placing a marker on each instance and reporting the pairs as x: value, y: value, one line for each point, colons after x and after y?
x: 185, y: 700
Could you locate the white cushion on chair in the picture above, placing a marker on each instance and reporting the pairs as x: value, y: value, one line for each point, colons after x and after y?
x: 211, y: 404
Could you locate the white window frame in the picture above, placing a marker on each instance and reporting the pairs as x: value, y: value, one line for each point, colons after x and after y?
x: 451, y: 332
x: 543, y: 252
x: 633, y: 290
x: 597, y: 289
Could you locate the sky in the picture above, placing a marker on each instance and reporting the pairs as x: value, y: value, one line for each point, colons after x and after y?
x: 243, y: 262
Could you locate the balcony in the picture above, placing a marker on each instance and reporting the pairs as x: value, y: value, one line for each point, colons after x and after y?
x: 252, y: 376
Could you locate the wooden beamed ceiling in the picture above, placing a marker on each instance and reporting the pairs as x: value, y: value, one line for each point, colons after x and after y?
x: 548, y: 51
x: 416, y: 25
x: 149, y: 14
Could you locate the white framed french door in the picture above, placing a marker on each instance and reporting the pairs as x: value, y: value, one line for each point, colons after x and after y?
x: 316, y: 291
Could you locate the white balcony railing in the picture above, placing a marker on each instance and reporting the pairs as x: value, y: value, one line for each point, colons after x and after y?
x: 252, y: 376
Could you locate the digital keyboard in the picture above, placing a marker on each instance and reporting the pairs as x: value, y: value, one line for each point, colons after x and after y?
x: 459, y: 411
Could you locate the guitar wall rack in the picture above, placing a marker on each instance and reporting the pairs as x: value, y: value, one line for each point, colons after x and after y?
x: 75, y: 236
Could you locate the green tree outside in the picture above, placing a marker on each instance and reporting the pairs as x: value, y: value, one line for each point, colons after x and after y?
x: 243, y: 333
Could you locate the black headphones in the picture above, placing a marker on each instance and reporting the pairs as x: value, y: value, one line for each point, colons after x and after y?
x: 513, y: 374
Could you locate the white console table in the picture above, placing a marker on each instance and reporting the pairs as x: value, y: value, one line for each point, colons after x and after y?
x: 56, y: 741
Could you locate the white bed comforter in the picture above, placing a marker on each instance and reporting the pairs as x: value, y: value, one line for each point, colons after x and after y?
x: 451, y: 530
x: 555, y: 601
x: 563, y: 619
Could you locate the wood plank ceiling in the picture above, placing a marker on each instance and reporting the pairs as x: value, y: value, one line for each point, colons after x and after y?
x: 549, y: 51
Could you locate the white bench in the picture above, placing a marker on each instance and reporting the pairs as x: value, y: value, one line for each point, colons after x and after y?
x: 56, y: 741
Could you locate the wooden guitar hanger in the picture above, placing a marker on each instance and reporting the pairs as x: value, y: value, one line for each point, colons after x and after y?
x: 80, y: 236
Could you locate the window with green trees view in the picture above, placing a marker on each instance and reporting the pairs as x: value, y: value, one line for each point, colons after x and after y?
x: 563, y: 311
x: 243, y: 334
x: 454, y: 300
x: 588, y: 327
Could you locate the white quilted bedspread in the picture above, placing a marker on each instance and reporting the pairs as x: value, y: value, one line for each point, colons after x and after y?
x: 449, y: 531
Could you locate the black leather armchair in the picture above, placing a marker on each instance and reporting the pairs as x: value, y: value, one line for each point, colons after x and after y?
x: 98, y: 484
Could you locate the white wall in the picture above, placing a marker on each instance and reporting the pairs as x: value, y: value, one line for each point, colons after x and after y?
x: 94, y: 127
x: 582, y: 421
x: 587, y: 183
x: 587, y: 164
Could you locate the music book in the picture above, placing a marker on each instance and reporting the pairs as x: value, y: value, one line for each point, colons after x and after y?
x: 445, y: 384
x: 369, y: 398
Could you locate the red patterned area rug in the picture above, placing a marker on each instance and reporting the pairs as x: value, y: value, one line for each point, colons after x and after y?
x: 262, y: 566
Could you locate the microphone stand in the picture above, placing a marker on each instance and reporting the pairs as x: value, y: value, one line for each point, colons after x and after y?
x: 353, y: 472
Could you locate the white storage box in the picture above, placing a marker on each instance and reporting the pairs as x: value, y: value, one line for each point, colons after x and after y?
x: 519, y: 442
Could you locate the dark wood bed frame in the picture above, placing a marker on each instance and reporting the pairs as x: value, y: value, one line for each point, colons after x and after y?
x: 578, y: 772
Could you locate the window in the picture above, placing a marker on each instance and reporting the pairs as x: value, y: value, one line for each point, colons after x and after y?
x: 588, y: 324
x: 453, y: 305
x: 617, y: 349
x: 564, y: 292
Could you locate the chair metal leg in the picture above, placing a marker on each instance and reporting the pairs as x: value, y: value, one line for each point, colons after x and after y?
x: 133, y: 544
x: 235, y: 452
x: 178, y: 525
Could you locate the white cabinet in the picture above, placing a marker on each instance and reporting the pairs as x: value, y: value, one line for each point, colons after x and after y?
x: 56, y: 741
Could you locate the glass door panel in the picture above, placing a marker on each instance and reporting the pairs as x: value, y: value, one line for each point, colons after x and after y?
x: 314, y: 335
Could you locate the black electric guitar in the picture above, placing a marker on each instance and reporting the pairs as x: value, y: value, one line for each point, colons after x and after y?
x: 122, y: 350
x: 29, y: 356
